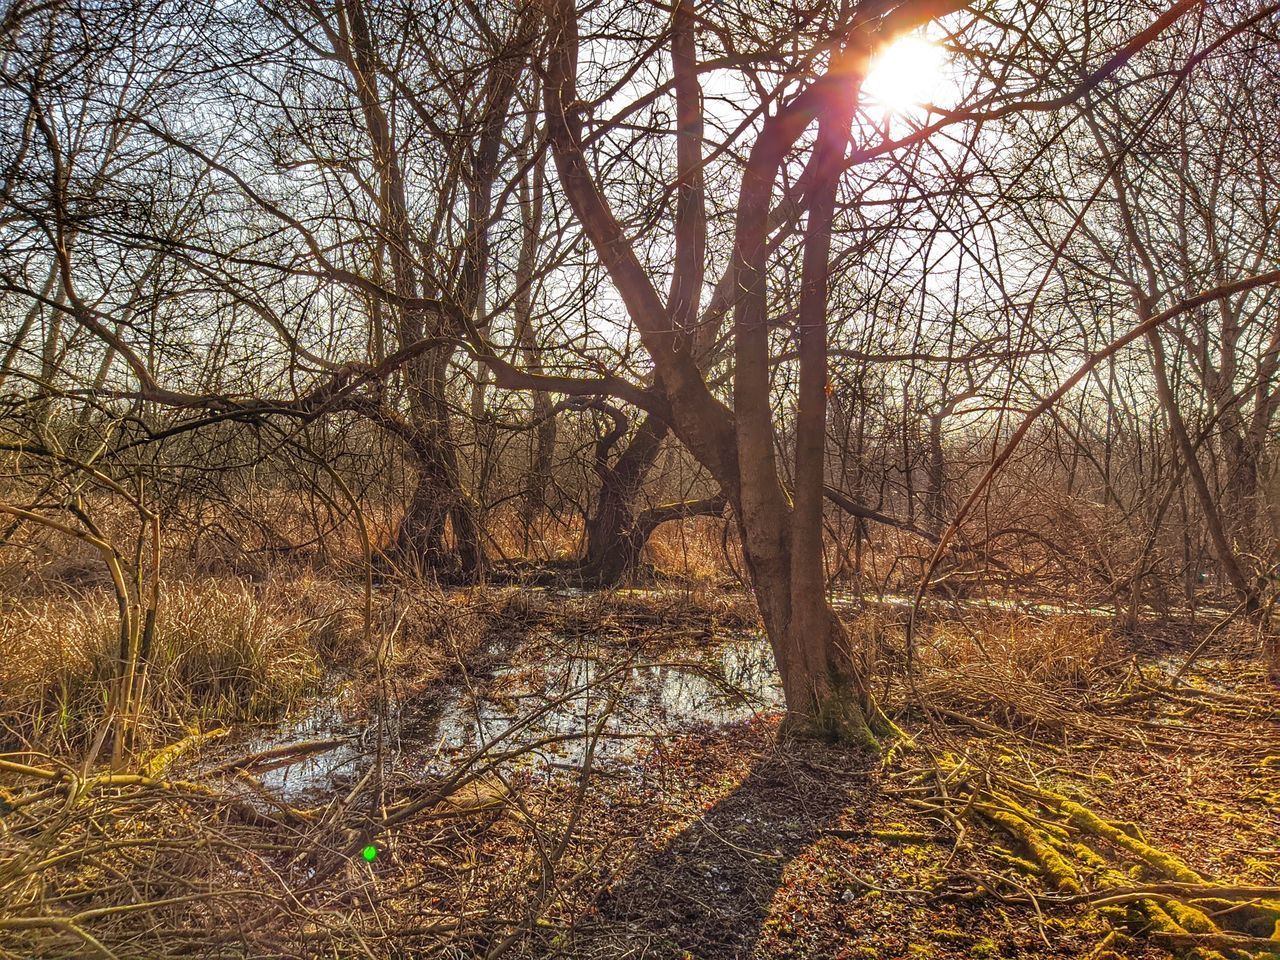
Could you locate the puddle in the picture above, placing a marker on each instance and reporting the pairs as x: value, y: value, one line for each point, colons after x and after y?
x: 844, y: 599
x: 330, y: 743
x: 542, y: 710
x: 552, y: 708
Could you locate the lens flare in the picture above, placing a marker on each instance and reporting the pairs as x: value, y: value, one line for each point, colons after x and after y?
x: 906, y: 74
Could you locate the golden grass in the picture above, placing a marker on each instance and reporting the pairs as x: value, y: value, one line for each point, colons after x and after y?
x: 223, y: 650
x: 230, y: 650
x: 548, y: 538
x: 695, y: 549
x: 1065, y: 651
x: 1038, y: 676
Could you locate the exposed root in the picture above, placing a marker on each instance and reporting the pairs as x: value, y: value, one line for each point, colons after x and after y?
x: 1083, y: 858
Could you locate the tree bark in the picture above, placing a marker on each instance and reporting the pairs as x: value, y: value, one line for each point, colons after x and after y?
x: 533, y: 498
x: 439, y: 493
x: 1213, y: 519
x: 828, y: 682
x: 613, y: 540
x: 825, y: 690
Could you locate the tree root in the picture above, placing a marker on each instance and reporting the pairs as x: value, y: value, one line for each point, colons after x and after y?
x: 1110, y: 866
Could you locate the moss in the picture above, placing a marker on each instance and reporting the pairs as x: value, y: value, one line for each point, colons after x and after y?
x: 1132, y: 829
x: 1150, y: 917
x: 1164, y: 864
x: 1090, y: 857
x: 840, y: 718
x: 1189, y: 918
x: 1056, y: 869
x: 885, y: 728
x: 1053, y: 830
x: 156, y: 763
x: 1059, y: 850
x: 1021, y: 864
x: 1259, y: 918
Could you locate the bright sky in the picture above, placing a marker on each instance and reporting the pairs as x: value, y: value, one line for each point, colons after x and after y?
x: 911, y: 72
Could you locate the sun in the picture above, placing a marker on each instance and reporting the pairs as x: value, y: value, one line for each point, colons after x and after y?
x: 906, y: 74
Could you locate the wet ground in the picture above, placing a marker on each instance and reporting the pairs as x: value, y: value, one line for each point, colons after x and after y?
x: 556, y: 702
x: 546, y: 706
x: 703, y: 833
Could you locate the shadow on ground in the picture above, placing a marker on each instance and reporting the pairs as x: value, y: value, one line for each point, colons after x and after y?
x: 708, y: 892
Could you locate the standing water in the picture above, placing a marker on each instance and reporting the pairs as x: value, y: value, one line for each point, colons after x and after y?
x: 542, y: 710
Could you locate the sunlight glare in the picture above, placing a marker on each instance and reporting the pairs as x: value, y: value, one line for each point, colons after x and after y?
x: 907, y: 74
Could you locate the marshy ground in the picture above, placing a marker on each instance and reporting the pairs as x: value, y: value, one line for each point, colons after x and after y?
x: 556, y: 773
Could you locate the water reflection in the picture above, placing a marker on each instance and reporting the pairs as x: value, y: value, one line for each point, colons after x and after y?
x: 545, y: 704
x: 544, y: 707
x: 551, y: 708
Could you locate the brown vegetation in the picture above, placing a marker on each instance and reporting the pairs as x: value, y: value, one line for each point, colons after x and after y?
x: 709, y: 479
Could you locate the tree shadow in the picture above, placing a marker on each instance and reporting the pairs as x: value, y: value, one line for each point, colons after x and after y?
x: 707, y: 893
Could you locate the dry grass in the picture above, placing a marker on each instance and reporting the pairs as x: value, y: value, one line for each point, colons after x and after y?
x: 691, y: 549
x: 696, y: 549
x: 1037, y: 676
x: 229, y: 650
x: 223, y: 651
x: 548, y: 537
x: 1061, y: 651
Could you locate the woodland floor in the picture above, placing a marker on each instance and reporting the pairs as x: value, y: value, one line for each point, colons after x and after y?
x: 717, y: 839
x: 732, y: 844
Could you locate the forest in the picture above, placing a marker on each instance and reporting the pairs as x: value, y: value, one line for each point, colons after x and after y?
x: 690, y: 479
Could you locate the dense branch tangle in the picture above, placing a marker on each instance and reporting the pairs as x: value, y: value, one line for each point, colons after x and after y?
x: 689, y: 217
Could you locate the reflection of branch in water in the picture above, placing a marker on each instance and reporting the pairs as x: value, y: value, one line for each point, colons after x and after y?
x: 654, y: 697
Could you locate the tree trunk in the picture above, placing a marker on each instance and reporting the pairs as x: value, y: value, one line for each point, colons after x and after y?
x: 825, y: 690
x: 613, y: 542
x: 937, y: 475
x: 1227, y: 559
x: 1240, y: 486
x: 438, y: 506
x: 533, y: 499
x: 822, y: 679
x: 439, y: 493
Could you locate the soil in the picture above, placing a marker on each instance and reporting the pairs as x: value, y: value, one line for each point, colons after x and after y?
x: 690, y: 829
x: 727, y: 842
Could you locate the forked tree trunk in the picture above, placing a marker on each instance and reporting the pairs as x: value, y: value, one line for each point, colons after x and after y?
x: 822, y: 679
x: 825, y: 690
x: 617, y: 531
x: 439, y: 506
x: 438, y: 495
x: 825, y: 686
x: 613, y: 540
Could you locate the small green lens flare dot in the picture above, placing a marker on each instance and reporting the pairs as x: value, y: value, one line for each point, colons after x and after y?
x: 370, y: 853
